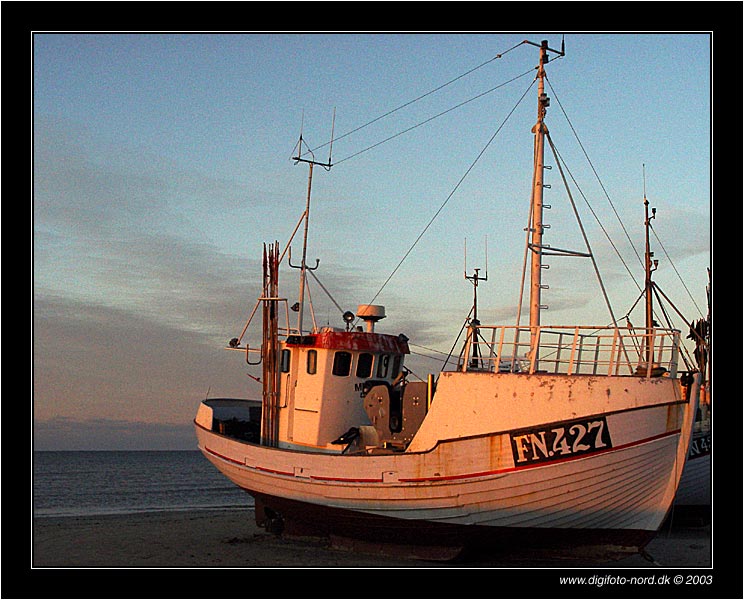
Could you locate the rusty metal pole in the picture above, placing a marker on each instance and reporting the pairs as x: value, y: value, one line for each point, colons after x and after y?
x: 270, y: 349
x: 536, y: 225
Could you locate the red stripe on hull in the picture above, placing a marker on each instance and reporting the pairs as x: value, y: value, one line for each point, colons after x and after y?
x: 449, y: 477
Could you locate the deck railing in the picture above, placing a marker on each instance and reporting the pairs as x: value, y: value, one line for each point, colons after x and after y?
x: 571, y: 350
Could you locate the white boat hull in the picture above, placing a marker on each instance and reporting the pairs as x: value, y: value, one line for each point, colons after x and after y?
x: 695, y: 485
x: 469, y: 487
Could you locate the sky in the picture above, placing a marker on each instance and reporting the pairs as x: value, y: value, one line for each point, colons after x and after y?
x: 162, y: 162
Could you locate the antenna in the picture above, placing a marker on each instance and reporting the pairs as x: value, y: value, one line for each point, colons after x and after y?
x: 650, y: 266
x: 306, y: 216
x: 472, y: 341
x: 333, y: 127
x: 298, y: 147
x: 476, y: 270
x: 474, y: 279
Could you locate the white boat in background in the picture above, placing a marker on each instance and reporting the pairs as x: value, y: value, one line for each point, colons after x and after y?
x: 695, y: 488
x: 567, y: 437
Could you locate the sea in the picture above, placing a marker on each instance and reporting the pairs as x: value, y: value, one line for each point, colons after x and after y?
x: 90, y: 483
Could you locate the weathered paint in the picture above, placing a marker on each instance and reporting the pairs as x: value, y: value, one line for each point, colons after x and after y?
x: 317, y: 407
x: 474, y: 480
x: 471, y: 403
x: 359, y: 341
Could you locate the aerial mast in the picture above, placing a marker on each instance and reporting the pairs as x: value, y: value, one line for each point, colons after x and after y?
x: 472, y: 342
x: 650, y: 267
x: 306, y: 217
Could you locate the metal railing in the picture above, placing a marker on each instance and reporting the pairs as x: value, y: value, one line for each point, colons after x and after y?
x: 571, y: 350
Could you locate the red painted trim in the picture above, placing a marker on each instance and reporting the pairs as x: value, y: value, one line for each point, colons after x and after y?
x: 267, y: 470
x: 223, y: 457
x: 345, y: 480
x: 453, y: 477
x: 357, y: 341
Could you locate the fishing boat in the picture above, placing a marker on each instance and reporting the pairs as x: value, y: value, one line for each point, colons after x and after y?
x: 563, y: 437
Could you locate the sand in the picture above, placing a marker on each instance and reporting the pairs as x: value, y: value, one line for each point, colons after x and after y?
x: 230, y: 538
x: 224, y: 554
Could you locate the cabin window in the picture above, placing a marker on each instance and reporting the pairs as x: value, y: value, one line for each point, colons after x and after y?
x: 342, y: 363
x: 383, y: 366
x: 312, y: 362
x: 396, y: 365
x: 364, y: 365
x: 285, y: 360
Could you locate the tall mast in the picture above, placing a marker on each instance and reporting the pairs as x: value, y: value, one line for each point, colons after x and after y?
x: 536, y: 225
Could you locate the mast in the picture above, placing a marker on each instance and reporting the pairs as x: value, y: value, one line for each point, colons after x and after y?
x: 474, y: 361
x: 306, y: 216
x: 270, y: 348
x: 474, y: 322
x: 536, y: 223
x: 303, y: 264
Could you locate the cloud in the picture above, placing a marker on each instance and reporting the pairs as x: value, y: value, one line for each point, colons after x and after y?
x: 97, y: 362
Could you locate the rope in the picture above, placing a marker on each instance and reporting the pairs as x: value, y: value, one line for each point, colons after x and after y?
x: 424, y: 122
x: 675, y: 270
x: 449, y: 196
x: 421, y: 97
x: 594, y: 171
x: 596, y: 218
x: 581, y: 227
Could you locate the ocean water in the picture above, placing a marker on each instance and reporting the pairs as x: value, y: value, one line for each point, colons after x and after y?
x: 107, y: 482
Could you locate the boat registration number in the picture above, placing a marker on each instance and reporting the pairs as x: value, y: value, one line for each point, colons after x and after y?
x: 560, y: 441
x: 700, y: 446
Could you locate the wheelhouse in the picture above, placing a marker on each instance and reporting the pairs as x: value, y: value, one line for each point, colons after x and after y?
x: 324, y: 378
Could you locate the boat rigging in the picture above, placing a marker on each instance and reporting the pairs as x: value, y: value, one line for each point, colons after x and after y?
x: 571, y: 441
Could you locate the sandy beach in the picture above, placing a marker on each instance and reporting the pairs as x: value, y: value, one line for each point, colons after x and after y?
x: 224, y: 554
x: 230, y: 538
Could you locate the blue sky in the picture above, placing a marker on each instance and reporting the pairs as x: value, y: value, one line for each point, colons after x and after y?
x: 162, y: 163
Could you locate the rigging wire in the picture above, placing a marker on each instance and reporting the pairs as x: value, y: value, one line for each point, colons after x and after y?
x: 581, y: 227
x: 615, y: 211
x: 596, y: 217
x: 452, y: 193
x: 341, y: 310
x: 561, y: 161
x: 442, y: 86
x: 299, y: 153
x: 684, y: 351
x: 425, y: 121
x: 570, y: 124
x: 434, y: 350
x: 421, y: 97
x: 675, y: 270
